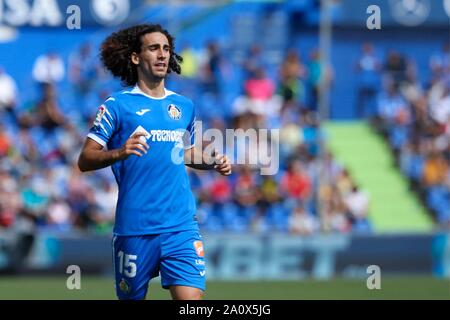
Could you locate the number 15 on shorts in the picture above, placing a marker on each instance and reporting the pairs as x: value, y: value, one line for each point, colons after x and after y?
x: 127, y: 265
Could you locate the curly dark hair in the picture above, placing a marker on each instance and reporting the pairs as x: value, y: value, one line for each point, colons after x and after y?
x: 116, y: 50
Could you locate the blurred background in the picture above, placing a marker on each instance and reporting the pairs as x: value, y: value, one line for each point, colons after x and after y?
x: 364, y: 120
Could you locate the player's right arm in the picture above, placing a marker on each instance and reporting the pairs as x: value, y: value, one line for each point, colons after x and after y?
x: 93, y: 156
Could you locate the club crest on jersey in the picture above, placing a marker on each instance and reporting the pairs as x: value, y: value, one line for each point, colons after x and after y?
x: 124, y: 286
x: 99, y: 116
x: 174, y: 112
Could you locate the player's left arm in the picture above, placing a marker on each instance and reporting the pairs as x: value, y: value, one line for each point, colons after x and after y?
x: 197, y: 159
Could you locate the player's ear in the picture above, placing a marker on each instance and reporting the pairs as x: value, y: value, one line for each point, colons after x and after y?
x: 135, y: 58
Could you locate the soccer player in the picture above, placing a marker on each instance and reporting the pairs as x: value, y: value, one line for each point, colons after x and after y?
x: 147, y: 130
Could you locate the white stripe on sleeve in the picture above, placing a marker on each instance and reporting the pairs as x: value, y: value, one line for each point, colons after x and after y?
x: 96, y: 139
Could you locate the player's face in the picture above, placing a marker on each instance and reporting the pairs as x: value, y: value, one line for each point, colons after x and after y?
x: 154, y: 55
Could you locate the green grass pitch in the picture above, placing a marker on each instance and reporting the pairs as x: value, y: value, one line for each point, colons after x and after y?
x: 54, y: 288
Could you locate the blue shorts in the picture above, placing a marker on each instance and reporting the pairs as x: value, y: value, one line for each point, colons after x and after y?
x: 178, y: 257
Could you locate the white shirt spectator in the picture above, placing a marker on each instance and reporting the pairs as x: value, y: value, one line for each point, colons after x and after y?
x: 8, y: 90
x: 106, y: 199
x: 338, y: 222
x: 302, y: 222
x: 59, y: 213
x: 358, y: 203
x: 440, y: 111
x: 48, y: 68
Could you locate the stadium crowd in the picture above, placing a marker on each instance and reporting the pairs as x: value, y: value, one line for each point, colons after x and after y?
x: 413, y: 114
x: 41, y: 186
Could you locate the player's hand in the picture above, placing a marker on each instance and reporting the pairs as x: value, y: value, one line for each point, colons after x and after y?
x: 223, y: 165
x: 134, y: 145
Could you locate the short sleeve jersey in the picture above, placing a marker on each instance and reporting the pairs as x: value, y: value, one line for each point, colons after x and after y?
x: 154, y: 191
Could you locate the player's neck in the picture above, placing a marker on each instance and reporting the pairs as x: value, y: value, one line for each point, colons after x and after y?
x: 152, y: 88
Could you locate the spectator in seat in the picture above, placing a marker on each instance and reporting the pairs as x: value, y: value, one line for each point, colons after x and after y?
x: 435, y: 169
x: 48, y: 68
x: 368, y: 68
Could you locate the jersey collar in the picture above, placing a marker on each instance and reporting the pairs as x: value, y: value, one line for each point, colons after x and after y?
x: 137, y: 90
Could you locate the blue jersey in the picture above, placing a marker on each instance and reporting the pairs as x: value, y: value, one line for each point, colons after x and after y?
x: 154, y: 192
